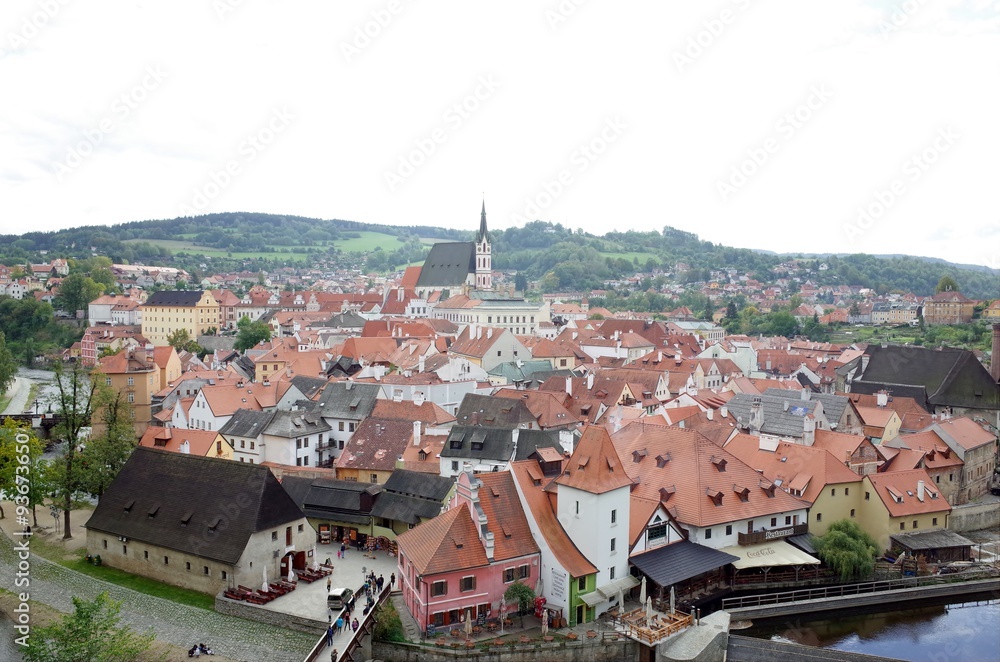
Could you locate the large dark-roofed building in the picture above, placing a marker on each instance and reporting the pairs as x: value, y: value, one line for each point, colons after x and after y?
x: 196, y: 522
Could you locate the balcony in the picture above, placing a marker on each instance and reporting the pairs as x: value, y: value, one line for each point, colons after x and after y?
x: 771, y: 534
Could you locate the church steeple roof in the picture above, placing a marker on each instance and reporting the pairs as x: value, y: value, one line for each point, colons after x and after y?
x: 482, y: 236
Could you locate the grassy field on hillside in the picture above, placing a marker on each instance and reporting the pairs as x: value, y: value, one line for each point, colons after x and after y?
x: 368, y: 241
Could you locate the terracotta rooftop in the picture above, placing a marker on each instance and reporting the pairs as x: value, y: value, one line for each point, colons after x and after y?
x: 595, y: 466
x: 447, y: 543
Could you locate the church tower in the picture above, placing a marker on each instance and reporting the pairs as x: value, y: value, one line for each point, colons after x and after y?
x: 484, y: 257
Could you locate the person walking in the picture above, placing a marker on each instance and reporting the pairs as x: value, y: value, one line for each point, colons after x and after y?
x: 329, y: 636
x: 392, y: 581
x: 329, y: 583
x: 354, y: 625
x: 380, y: 582
x: 333, y: 655
x: 343, y: 551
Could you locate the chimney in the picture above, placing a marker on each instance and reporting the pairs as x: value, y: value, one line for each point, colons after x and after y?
x: 348, y: 384
x: 882, y: 399
x: 590, y: 381
x: 710, y: 414
x: 756, y: 415
x: 804, y: 394
x: 724, y: 411
x: 489, y: 333
x: 416, y: 433
x: 995, y: 354
x: 418, y: 398
x: 186, y: 449
x: 569, y: 386
x: 420, y: 363
x: 808, y: 430
x: 920, y: 490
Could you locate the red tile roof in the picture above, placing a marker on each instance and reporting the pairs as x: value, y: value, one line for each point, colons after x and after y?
x: 447, y: 543
x: 595, y: 466
x: 898, y: 492
x: 505, y: 516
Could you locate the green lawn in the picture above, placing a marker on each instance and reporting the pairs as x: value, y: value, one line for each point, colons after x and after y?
x: 141, y: 584
x: 369, y: 241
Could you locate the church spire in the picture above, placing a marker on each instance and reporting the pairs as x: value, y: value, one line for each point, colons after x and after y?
x: 481, y: 237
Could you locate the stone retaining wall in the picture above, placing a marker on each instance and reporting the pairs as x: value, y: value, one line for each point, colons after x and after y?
x: 974, y: 516
x: 610, y: 651
x: 252, y: 612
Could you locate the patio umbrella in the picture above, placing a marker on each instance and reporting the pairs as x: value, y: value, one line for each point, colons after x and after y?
x: 642, y: 590
x: 621, y: 602
x: 649, y: 609
x: 545, y: 622
x: 673, y: 600
x: 291, y: 573
x: 503, y: 608
x: 265, y: 587
x: 468, y: 624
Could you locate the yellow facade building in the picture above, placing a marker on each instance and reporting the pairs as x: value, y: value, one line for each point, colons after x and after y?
x: 167, y: 312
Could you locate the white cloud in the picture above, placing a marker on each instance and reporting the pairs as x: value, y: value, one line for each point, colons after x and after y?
x: 354, y: 116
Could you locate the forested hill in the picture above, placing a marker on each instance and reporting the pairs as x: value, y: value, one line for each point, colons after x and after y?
x: 561, y: 258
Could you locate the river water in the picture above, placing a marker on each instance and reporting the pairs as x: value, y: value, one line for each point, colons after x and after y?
x: 939, y: 631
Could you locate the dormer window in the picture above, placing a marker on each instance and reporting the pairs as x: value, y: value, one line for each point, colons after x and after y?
x: 637, y: 456
x: 186, y: 519
x: 742, y: 492
x: 128, y: 506
x: 666, y: 493
x: 662, y: 460
x: 714, y: 495
x: 154, y: 510
x: 719, y: 462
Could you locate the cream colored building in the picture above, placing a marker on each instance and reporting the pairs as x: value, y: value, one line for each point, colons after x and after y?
x: 168, y: 311
x: 901, y: 502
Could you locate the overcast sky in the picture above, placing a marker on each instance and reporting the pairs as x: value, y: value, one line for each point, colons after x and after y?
x: 791, y: 126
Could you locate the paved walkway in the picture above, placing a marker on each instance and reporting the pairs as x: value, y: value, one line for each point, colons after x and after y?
x: 173, y: 623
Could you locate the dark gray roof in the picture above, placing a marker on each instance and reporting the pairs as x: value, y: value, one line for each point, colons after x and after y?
x: 174, y: 298
x: 670, y: 564
x: 290, y: 424
x: 803, y: 541
x: 348, y: 400
x: 245, y: 366
x: 776, y: 419
x: 448, y: 264
x: 536, y: 371
x: 308, y: 386
x: 157, y: 491
x: 933, y: 539
x: 246, y: 423
x: 477, y: 442
x: 418, y: 484
x: 952, y: 377
x: 751, y: 649
x: 493, y: 412
x: 833, y: 405
x: 348, y: 320
x: 410, y: 510
x: 918, y: 393
x: 216, y: 343
x: 341, y: 500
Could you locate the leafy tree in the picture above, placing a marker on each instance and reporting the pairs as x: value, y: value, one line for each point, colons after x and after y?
x: 76, y: 291
x: 77, y: 397
x: 521, y: 282
x: 251, y: 333
x: 181, y: 340
x: 946, y: 284
x: 847, y: 549
x: 854, y: 310
x: 781, y: 324
x: 731, y: 310
x: 90, y: 634
x: 8, y: 366
x: 11, y: 452
x: 521, y: 595
x: 388, y: 624
x: 103, y: 456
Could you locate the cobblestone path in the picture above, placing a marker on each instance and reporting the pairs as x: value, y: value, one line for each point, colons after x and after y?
x: 178, y: 624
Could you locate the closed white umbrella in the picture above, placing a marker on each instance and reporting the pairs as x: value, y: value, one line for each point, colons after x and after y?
x: 621, y: 602
x: 673, y: 601
x: 649, y: 609
x: 468, y: 624
x: 503, y: 608
x: 642, y: 590
x: 291, y: 573
x: 265, y: 579
x: 545, y: 622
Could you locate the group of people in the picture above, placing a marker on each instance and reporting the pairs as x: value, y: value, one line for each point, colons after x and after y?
x: 200, y: 649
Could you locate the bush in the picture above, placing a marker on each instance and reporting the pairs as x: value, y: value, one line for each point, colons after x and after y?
x: 388, y: 625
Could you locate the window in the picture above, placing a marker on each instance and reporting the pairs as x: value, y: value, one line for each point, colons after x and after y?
x: 581, y: 584
x: 454, y: 466
x: 107, y: 381
x: 205, y: 570
x: 105, y: 544
x: 187, y: 565
x: 774, y: 521
x: 524, y: 571
x: 847, y: 491
x: 350, y: 427
x: 577, y: 507
x: 833, y: 491
x: 868, y: 496
x: 467, y: 584
x: 225, y: 575
x: 852, y: 512
x: 252, y: 444
x: 819, y: 517
x: 508, y: 575
x: 902, y: 526
x: 166, y: 560
x: 124, y: 550
x: 340, y: 426
x: 301, y: 528
x: 914, y: 524
x: 611, y: 572
x: 131, y: 396
x: 788, y: 520
x: 243, y: 443
x: 374, y: 478
x: 729, y: 529
x: 708, y: 534
x: 130, y: 381
x: 934, y: 522
x: 614, y: 516
x: 614, y: 542
x: 145, y: 555
x: 274, y: 536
